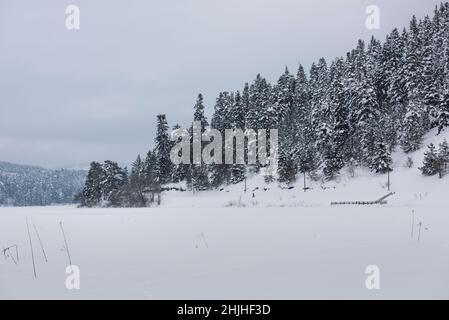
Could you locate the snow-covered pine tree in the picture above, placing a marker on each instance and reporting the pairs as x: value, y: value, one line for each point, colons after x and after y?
x: 442, y: 118
x: 283, y: 96
x: 199, y: 172
x: 394, y: 103
x: 429, y: 167
x: 306, y: 153
x: 221, y: 120
x: 440, y: 48
x: 374, y: 69
x: 413, y: 128
x: 381, y: 161
x: 162, y: 150
x: 443, y: 159
x: 238, y: 171
x: 137, y: 184
x: 260, y: 114
x: 112, y: 184
x: 199, y: 112
x: 287, y: 168
x: 322, y: 117
x: 430, y: 89
x: 367, y: 119
x: 92, y: 192
x: 283, y: 104
x: 337, y: 149
x: 179, y: 171
x: 151, y: 176
x: 245, y: 105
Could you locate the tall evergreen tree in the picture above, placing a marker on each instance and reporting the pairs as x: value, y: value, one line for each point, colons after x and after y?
x: 442, y: 117
x: 199, y: 172
x: 443, y: 159
x: 284, y: 105
x: 412, y: 128
x: 137, y: 184
x: 163, y: 149
x: 199, y: 112
x: 92, y: 192
x: 151, y: 176
x: 238, y: 111
x: 381, y: 162
x: 222, y: 119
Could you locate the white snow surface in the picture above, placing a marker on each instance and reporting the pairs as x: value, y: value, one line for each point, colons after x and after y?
x: 281, y: 244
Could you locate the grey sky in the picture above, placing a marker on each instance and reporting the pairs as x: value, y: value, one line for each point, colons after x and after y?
x: 70, y: 97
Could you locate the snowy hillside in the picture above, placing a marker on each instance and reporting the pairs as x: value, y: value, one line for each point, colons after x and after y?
x: 27, y: 186
x: 409, y: 185
x: 216, y: 245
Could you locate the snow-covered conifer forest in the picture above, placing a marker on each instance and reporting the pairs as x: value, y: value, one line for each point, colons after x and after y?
x: 352, y: 112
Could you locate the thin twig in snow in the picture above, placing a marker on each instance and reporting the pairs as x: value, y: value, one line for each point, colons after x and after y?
x: 7, y: 254
x: 66, y: 245
x: 40, y: 241
x: 31, y: 247
x: 419, y: 232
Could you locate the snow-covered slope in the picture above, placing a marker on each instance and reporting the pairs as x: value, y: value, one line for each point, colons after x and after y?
x: 216, y: 245
x: 410, y: 186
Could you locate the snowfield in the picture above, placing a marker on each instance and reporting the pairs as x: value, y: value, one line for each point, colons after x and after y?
x: 279, y: 244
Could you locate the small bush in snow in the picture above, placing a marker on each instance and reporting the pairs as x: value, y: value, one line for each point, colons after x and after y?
x: 409, y: 163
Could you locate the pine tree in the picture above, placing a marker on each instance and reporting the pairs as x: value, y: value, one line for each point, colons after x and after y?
x: 412, y: 129
x: 261, y: 114
x: 151, y: 176
x: 284, y: 104
x: 337, y: 149
x: 163, y: 149
x: 238, y: 112
x: 381, y: 162
x: 394, y: 103
x: 92, y: 192
x: 137, y: 184
x: 287, y: 168
x: 304, y: 140
x: 199, y: 172
x: 443, y: 159
x: 199, y: 114
x: 429, y: 90
x: 415, y: 118
x: 332, y: 163
x: 430, y: 167
x: 283, y: 98
x: 179, y: 171
x: 114, y: 179
x: 322, y: 117
x: 442, y: 117
x: 221, y: 120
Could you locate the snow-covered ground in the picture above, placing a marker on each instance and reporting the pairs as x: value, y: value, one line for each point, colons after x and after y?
x: 279, y: 244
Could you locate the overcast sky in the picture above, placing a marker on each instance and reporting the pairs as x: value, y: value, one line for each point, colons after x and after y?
x: 70, y: 97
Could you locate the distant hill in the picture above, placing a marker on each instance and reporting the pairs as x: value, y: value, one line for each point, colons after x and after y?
x: 34, y: 186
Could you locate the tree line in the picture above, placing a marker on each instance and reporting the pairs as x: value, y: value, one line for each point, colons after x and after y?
x: 352, y: 111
